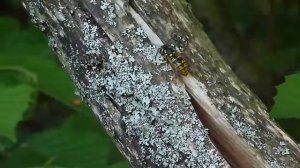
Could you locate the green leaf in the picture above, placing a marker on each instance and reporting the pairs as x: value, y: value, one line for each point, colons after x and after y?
x: 115, y: 157
x: 120, y: 165
x: 13, y: 102
x: 287, y: 101
x: 24, y: 156
x: 80, y: 142
x: 28, y: 48
x: 5, y: 144
x: 16, y: 93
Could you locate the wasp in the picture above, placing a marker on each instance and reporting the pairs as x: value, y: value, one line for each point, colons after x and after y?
x: 170, y: 56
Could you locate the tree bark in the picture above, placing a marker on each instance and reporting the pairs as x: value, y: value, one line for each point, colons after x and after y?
x: 109, y: 48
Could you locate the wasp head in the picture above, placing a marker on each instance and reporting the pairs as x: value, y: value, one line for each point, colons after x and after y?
x: 167, y: 50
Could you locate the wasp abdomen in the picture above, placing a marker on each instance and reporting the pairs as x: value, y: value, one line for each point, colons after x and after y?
x: 170, y: 55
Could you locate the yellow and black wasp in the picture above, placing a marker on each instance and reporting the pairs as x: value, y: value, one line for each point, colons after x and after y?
x: 170, y: 56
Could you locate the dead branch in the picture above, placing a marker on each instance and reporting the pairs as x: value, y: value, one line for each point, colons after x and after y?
x: 109, y: 49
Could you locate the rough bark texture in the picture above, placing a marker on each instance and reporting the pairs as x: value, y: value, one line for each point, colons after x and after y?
x: 109, y: 48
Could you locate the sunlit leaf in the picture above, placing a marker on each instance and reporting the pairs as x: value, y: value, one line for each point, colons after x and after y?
x: 287, y: 101
x: 28, y: 48
x: 16, y: 93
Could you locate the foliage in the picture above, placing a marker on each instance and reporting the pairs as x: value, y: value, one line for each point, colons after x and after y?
x: 26, y: 48
x: 258, y: 39
x: 42, y: 122
x: 73, y: 144
x: 287, y: 101
x: 286, y: 109
x: 17, y: 88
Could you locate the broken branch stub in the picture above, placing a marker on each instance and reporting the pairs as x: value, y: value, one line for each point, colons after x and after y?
x: 109, y: 49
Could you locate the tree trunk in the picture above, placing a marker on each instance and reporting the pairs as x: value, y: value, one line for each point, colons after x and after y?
x: 109, y: 48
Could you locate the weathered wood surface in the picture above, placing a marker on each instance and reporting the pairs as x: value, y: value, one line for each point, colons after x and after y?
x: 109, y: 49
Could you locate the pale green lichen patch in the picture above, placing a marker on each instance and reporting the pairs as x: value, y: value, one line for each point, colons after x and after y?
x: 91, y: 39
x: 148, y: 50
x: 109, y: 9
x: 161, y: 127
x: 152, y: 113
x: 158, y: 124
